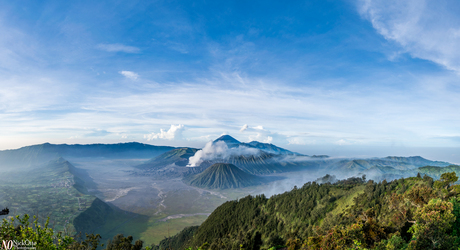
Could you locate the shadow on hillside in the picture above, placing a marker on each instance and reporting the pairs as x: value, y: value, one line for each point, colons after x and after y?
x: 107, y: 220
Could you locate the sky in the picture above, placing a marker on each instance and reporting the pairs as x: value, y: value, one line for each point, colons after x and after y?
x: 310, y: 76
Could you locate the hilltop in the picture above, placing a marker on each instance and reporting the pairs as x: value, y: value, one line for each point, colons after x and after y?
x: 411, y: 213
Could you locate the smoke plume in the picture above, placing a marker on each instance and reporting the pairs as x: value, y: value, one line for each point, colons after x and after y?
x: 219, y: 150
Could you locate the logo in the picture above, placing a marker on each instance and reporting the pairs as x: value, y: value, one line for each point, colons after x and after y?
x: 7, y: 244
x: 24, y: 244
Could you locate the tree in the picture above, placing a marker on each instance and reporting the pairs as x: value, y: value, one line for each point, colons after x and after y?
x: 39, y: 236
x: 446, y: 180
x: 433, y: 223
x: 120, y: 242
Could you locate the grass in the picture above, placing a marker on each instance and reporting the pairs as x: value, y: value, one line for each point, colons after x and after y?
x: 151, y: 230
x: 190, y: 202
x: 158, y: 230
x: 347, y: 199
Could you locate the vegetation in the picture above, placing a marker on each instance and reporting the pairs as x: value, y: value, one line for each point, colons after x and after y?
x: 18, y: 233
x: 411, y: 213
x: 51, y: 190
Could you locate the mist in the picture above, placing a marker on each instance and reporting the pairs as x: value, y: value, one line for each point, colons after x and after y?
x: 449, y: 154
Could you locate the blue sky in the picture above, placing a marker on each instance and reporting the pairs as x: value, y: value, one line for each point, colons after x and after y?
x: 299, y: 74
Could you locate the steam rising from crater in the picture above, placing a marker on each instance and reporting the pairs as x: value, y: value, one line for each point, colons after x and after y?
x: 219, y: 150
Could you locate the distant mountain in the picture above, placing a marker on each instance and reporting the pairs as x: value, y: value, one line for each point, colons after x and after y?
x: 223, y: 176
x: 230, y: 141
x: 171, y: 164
x: 383, y: 165
x: 266, y: 147
x: 42, y: 153
x: 267, y: 159
x: 266, y: 163
x: 178, y: 157
x: 436, y: 172
x: 416, y: 161
x: 269, y: 148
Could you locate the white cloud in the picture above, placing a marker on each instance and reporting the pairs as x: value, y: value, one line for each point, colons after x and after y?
x: 245, y: 126
x: 263, y: 137
x: 129, y: 74
x: 117, y: 47
x: 426, y: 29
x: 174, y: 132
x: 219, y: 150
x: 258, y: 127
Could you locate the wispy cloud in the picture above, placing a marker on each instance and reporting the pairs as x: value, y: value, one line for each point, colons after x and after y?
x: 425, y: 29
x: 179, y: 47
x: 129, y: 74
x: 117, y: 47
x: 367, y: 116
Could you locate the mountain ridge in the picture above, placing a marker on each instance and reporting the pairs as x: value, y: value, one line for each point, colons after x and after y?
x: 41, y: 153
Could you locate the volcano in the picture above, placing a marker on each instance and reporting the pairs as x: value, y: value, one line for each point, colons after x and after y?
x: 224, y: 176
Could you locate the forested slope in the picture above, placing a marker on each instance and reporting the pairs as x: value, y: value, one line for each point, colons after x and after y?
x: 411, y: 213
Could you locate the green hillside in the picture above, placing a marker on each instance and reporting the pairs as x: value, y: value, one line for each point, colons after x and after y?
x: 436, y: 172
x: 54, y: 189
x: 223, y: 176
x: 411, y: 213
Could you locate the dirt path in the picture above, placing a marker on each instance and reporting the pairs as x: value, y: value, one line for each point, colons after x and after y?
x: 162, y: 196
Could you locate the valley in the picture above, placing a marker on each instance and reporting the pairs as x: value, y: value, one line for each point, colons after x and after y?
x: 166, y: 206
x: 155, y: 194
